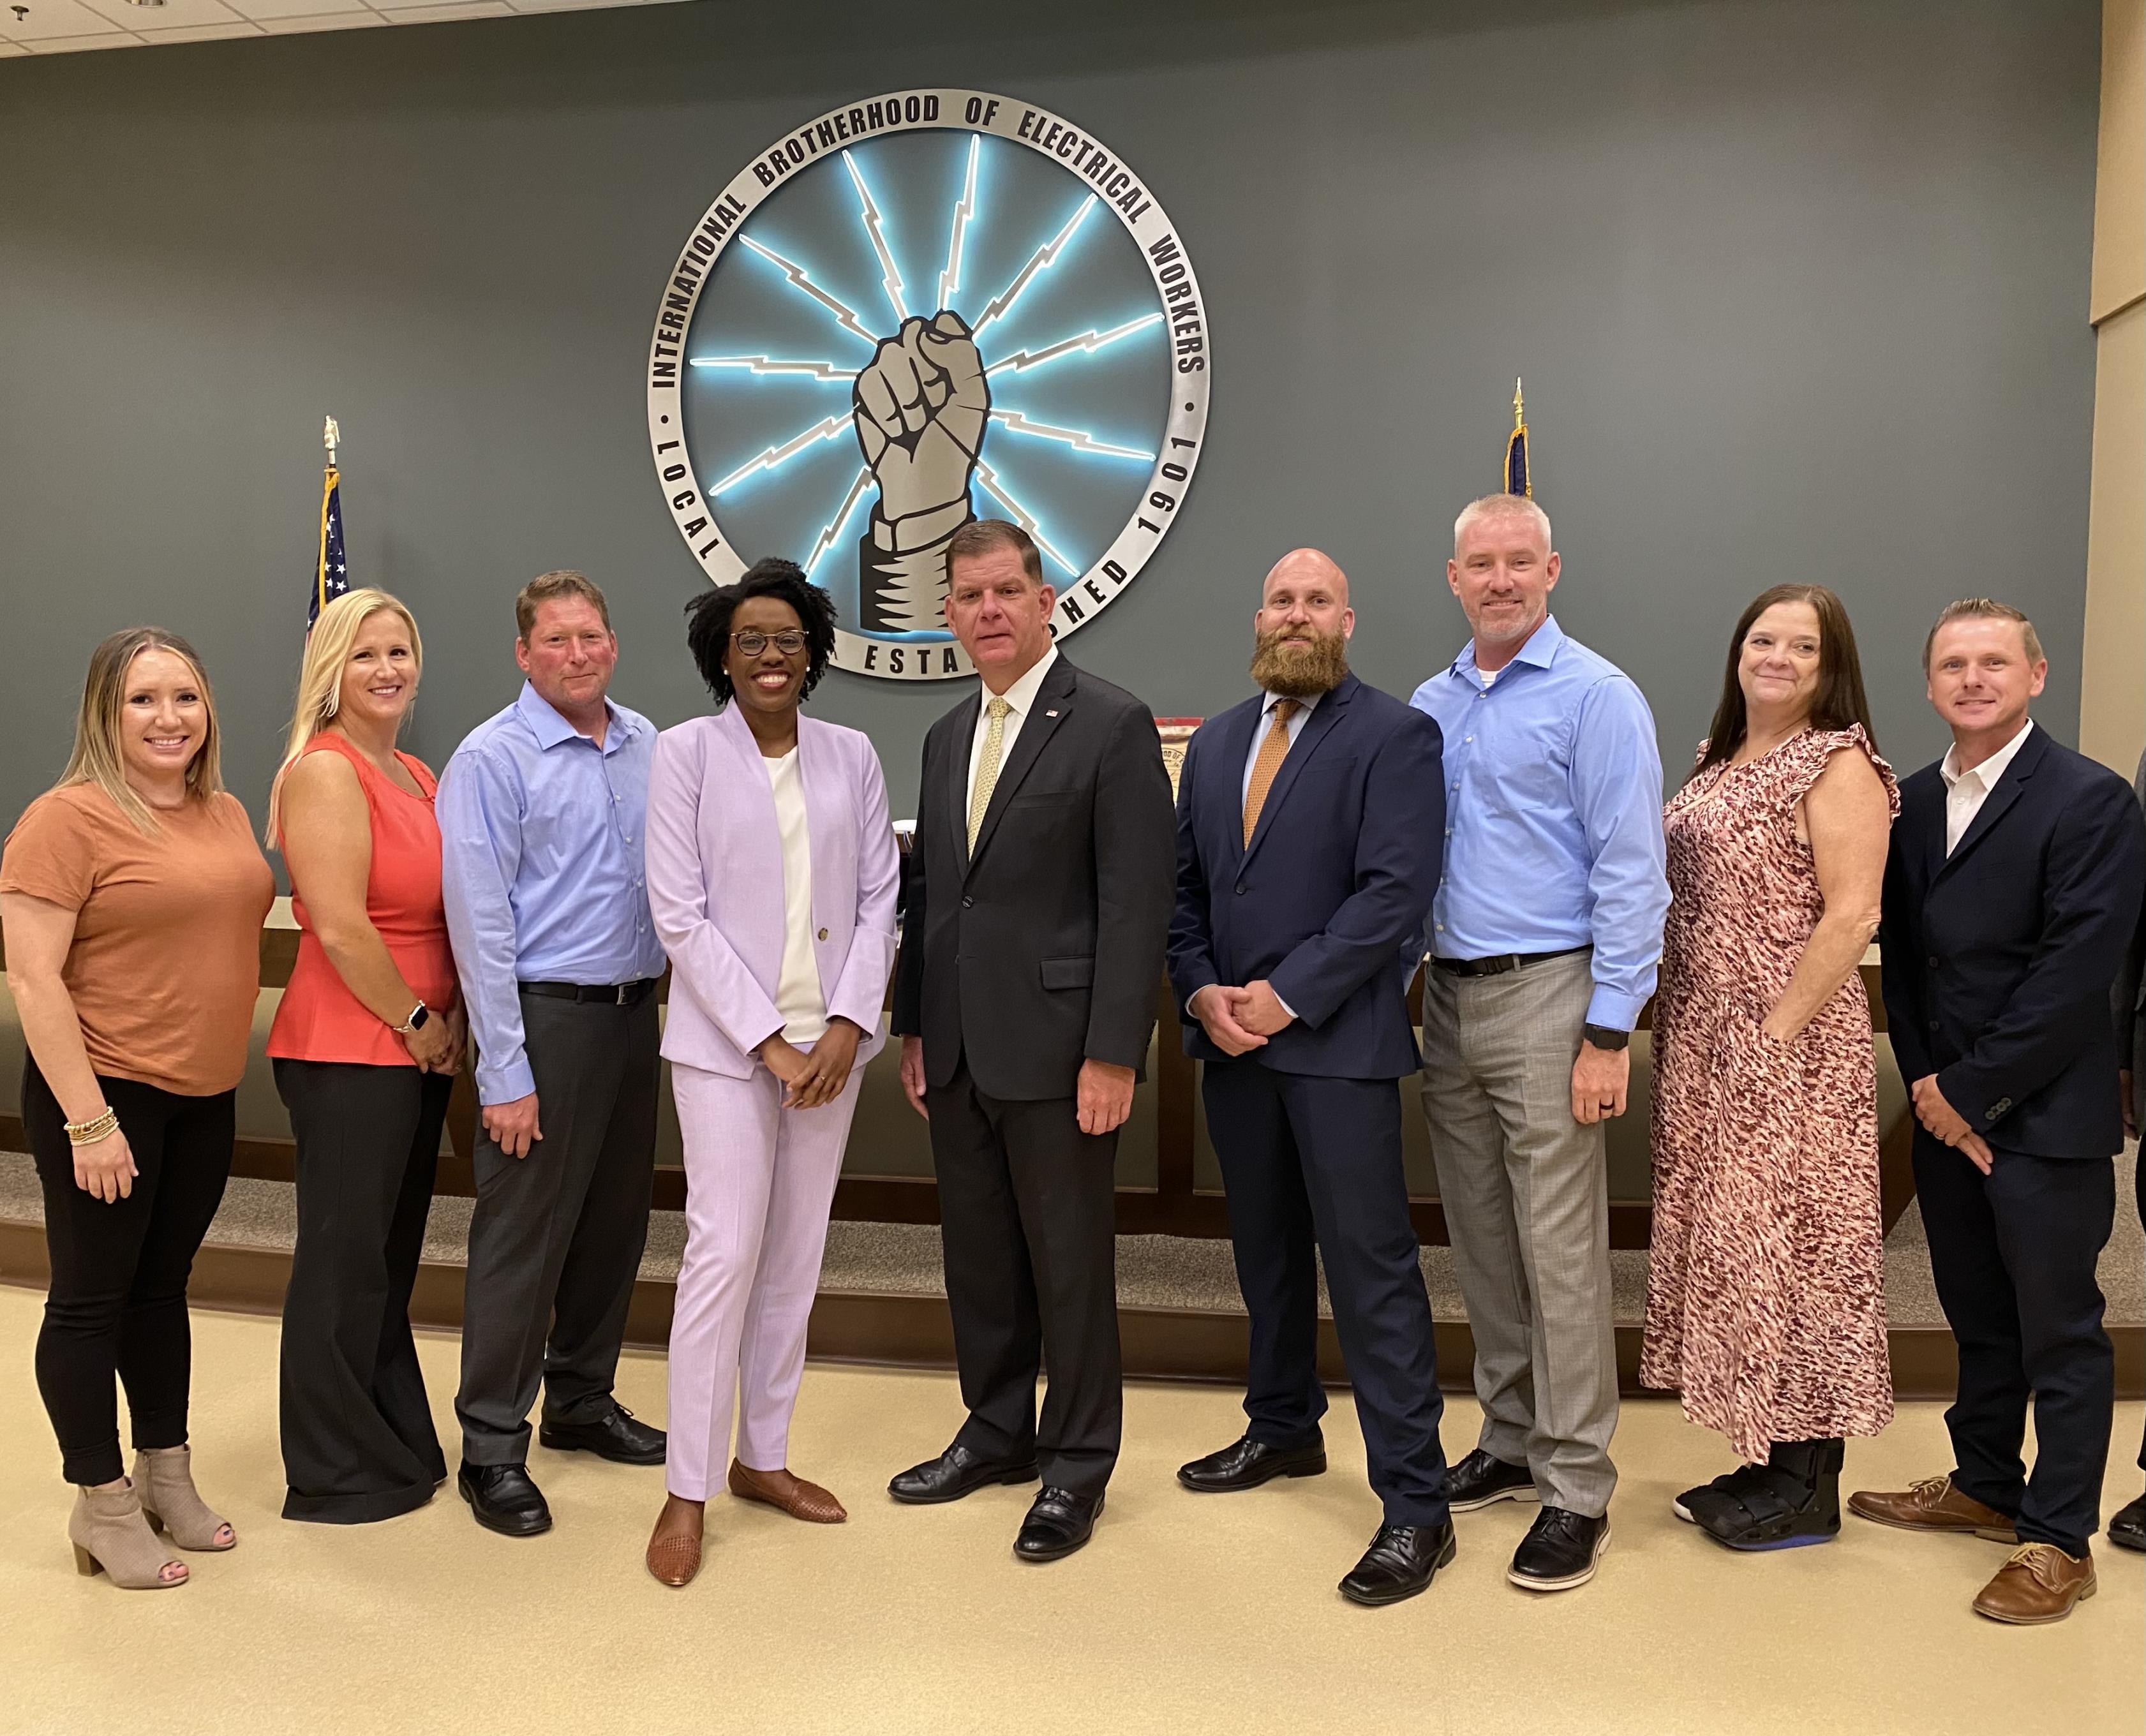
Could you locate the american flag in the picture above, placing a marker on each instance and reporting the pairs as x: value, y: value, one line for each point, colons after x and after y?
x: 331, y: 575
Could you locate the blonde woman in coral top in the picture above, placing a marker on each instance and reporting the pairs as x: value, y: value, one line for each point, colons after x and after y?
x: 365, y: 1046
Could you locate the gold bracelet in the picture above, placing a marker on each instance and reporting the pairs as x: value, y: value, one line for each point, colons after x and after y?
x: 97, y: 1127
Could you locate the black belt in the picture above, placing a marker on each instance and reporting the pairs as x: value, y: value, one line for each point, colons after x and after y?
x: 608, y: 994
x: 1503, y: 962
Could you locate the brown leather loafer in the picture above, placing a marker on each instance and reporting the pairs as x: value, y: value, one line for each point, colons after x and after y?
x: 2040, y: 1583
x: 794, y: 1495
x: 1934, y: 1504
x: 673, y: 1560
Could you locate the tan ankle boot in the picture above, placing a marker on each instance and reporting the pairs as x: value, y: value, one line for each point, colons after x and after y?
x: 111, y: 1537
x: 164, y: 1478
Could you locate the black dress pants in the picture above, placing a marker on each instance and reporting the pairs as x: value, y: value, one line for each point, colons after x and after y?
x: 1028, y: 1216
x: 118, y: 1301
x: 2014, y: 1254
x: 556, y: 1240
x: 1315, y: 1164
x: 358, y: 1440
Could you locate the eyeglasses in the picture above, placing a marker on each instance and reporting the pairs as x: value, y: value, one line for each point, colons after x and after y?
x: 751, y: 644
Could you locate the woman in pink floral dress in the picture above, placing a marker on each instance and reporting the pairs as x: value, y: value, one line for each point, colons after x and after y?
x: 1765, y: 1293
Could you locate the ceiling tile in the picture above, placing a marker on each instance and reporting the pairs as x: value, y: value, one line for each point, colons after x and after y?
x: 202, y: 32
x: 442, y: 14
x: 172, y: 15
x: 48, y: 19
x: 70, y: 44
x: 264, y: 10
x: 360, y: 19
x: 8, y: 49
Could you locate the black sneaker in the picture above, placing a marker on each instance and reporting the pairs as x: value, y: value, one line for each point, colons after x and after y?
x: 1559, y: 1550
x: 1478, y: 1479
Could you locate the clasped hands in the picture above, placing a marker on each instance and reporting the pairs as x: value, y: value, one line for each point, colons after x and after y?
x: 815, y: 1076
x: 1239, y: 1020
x: 1946, y: 1122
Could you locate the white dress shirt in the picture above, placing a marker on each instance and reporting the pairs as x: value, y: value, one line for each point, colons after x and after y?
x: 798, y: 997
x: 1305, y: 708
x: 1020, y: 697
x: 1965, y: 791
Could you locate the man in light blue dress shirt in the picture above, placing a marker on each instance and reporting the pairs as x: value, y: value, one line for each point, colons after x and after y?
x: 541, y: 813
x: 1545, y: 935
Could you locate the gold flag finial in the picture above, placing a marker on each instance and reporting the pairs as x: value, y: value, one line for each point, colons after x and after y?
x: 1519, y: 407
x: 330, y: 437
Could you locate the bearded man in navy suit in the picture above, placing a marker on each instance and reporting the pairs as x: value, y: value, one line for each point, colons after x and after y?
x: 1311, y: 826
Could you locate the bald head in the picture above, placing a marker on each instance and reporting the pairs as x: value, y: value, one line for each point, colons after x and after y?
x: 1302, y: 567
x: 1300, y: 634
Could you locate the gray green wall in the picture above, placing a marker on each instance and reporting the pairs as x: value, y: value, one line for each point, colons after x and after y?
x: 1800, y: 291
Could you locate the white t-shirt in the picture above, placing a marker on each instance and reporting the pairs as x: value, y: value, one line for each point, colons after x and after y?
x: 797, y: 997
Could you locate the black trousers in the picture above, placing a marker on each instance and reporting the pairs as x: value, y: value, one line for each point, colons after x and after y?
x: 118, y: 1301
x: 556, y: 1240
x: 1028, y: 1217
x: 358, y: 1440
x: 2014, y: 1253
x: 1313, y: 1167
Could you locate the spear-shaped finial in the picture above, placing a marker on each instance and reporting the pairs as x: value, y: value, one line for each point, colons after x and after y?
x: 330, y: 437
x: 1519, y: 407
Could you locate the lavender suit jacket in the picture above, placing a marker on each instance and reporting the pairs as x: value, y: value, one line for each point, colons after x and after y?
x: 715, y: 885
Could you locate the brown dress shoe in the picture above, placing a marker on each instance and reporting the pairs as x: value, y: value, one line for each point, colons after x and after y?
x: 2040, y: 1583
x: 673, y: 1557
x: 794, y: 1495
x: 1932, y: 1504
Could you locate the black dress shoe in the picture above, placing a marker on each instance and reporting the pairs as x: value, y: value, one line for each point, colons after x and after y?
x: 1250, y: 1463
x: 1058, y: 1523
x: 1559, y: 1551
x: 2127, y: 1529
x: 1478, y: 1479
x: 955, y: 1472
x: 1399, y: 1563
x: 504, y: 1499
x: 617, y: 1435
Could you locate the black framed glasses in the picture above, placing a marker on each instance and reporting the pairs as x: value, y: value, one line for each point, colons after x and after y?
x: 751, y: 644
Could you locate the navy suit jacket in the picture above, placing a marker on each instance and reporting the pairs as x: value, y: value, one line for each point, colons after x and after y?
x: 1999, y: 960
x: 1329, y: 902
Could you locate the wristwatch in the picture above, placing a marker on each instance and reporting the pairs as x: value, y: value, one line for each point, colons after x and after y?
x: 1602, y: 1036
x: 418, y: 1015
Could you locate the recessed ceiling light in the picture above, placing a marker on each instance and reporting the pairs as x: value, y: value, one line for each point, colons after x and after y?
x: 145, y: 2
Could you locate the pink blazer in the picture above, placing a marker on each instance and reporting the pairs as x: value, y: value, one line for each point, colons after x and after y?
x: 715, y: 885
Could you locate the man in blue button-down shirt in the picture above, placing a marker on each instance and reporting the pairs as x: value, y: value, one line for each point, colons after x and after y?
x: 1545, y: 935
x: 541, y: 812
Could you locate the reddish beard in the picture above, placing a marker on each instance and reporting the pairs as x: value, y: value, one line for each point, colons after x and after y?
x: 1301, y: 670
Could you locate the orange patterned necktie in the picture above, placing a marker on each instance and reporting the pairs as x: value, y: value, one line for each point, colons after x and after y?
x: 1272, y: 752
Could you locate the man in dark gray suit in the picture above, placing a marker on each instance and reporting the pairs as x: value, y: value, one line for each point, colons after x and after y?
x: 1039, y: 895
x: 2128, y: 1528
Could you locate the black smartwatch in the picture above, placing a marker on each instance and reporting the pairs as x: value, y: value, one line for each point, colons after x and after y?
x: 1603, y: 1037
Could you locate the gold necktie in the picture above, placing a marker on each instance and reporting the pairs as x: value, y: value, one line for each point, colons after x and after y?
x: 1272, y: 752
x: 987, y: 768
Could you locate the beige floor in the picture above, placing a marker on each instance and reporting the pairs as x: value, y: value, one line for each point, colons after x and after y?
x: 1186, y: 1615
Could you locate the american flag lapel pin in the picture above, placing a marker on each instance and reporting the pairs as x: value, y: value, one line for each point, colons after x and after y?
x: 1050, y: 714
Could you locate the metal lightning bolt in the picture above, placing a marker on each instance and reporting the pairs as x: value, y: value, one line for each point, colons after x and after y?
x: 830, y: 429
x: 796, y: 274
x: 768, y: 365
x: 1021, y: 516
x: 825, y: 540
x: 1075, y: 437
x: 1088, y: 343
x: 950, y: 280
x: 1042, y: 259
x: 892, y: 282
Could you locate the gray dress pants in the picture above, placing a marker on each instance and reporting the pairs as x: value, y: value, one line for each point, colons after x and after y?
x: 556, y: 1237
x: 1525, y: 1189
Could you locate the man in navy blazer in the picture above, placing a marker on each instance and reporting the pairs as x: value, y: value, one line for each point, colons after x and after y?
x: 1310, y: 822
x: 2014, y: 880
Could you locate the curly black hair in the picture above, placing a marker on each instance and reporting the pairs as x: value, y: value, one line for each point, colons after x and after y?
x: 708, y: 622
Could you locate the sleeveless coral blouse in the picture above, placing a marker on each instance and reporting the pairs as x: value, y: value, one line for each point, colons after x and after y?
x: 319, y: 1019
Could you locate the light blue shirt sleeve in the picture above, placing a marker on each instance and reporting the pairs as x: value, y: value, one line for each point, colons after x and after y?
x: 479, y: 810
x: 1617, y: 793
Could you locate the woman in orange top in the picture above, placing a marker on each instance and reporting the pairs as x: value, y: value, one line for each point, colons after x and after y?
x: 132, y: 894
x: 366, y: 1045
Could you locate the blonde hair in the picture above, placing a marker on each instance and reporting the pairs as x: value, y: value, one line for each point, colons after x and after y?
x: 1985, y: 608
x: 320, y: 678
x: 99, y: 758
x: 1502, y: 506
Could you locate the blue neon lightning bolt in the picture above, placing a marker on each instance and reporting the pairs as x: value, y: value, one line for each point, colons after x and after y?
x: 796, y: 274
x: 892, y: 282
x: 1074, y: 437
x: 950, y: 280
x: 1042, y: 259
x: 989, y: 478
x: 1088, y: 343
x: 825, y: 540
x: 768, y: 365
x: 776, y: 455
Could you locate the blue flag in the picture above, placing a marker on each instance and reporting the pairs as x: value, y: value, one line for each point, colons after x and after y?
x: 330, y: 576
x: 1516, y: 450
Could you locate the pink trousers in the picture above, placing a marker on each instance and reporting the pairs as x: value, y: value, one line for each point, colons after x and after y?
x: 759, y: 1179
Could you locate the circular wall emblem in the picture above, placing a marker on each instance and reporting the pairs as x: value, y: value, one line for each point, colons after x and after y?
x: 931, y: 307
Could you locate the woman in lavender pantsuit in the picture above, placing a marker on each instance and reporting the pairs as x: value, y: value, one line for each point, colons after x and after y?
x: 771, y: 875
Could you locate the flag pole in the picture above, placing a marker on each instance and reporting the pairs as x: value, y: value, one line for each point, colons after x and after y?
x: 331, y: 537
